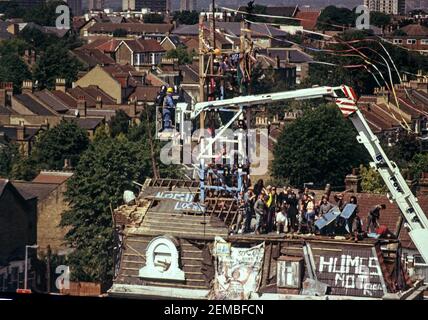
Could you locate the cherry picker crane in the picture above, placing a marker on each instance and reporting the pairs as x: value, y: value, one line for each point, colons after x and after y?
x: 346, y: 100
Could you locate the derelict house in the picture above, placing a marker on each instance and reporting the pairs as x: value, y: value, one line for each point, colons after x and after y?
x: 169, y: 248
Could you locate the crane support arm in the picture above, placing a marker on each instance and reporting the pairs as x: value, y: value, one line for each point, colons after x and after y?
x: 346, y: 99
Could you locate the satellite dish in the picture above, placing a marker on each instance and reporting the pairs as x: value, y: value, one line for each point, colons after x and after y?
x: 128, y: 196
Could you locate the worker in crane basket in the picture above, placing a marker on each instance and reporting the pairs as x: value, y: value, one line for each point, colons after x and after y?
x: 168, y: 109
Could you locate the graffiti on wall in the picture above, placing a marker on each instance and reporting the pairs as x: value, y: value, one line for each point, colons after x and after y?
x: 351, y: 274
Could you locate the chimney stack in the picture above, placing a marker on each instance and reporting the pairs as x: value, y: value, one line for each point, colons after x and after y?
x: 60, y: 85
x: 353, y: 181
x: 20, y: 131
x: 99, y: 103
x: 81, y: 106
x: 27, y: 86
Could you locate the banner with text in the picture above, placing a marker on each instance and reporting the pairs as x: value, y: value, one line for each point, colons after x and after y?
x: 238, y: 271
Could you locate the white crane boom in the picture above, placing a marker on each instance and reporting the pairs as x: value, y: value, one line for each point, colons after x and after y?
x: 346, y: 99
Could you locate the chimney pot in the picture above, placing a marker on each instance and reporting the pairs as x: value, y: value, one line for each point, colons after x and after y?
x: 81, y: 106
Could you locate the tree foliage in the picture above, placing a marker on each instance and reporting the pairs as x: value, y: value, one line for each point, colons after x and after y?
x: 372, y: 181
x: 332, y: 17
x: 153, y: 18
x: 120, y: 33
x: 181, y: 53
x: 119, y: 123
x: 64, y: 141
x: 44, y: 14
x: 359, y: 78
x: 319, y: 147
x: 13, y: 69
x: 186, y: 17
x: 379, y: 19
x: 56, y: 62
x: 104, y: 172
x: 9, y: 154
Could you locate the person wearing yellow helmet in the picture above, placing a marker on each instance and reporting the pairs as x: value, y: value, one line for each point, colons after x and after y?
x: 168, y: 109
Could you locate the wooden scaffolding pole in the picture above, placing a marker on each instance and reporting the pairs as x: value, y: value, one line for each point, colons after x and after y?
x: 201, y: 69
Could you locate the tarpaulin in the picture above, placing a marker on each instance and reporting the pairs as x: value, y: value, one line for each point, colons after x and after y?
x: 237, y: 270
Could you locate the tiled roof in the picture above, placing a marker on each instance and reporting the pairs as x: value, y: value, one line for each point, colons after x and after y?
x: 30, y: 190
x: 93, y: 57
x: 309, y: 19
x: 57, y: 177
x: 89, y: 123
x: 91, y: 93
x: 32, y: 105
x: 123, y: 74
x: 52, y: 101
x: 415, y: 30
x: 105, y: 44
x: 388, y: 217
x: 143, y: 45
x: 65, y: 98
x: 147, y: 93
x: 143, y: 28
x: 11, y: 132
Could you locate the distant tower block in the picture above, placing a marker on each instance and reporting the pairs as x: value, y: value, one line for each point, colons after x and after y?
x: 187, y: 5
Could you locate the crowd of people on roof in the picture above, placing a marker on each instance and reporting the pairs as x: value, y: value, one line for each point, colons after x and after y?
x: 285, y: 211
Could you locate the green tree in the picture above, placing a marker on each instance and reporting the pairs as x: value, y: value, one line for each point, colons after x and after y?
x: 9, y: 154
x: 64, y: 141
x: 372, y: 181
x: 119, y: 123
x: 13, y: 46
x: 44, y: 14
x: 13, y: 69
x: 319, y: 147
x: 153, y: 18
x: 403, y: 150
x: 379, y: 19
x: 104, y: 172
x: 183, y: 56
x: 332, y: 17
x: 56, y: 62
x: 120, y: 33
x: 186, y: 17
x: 418, y: 165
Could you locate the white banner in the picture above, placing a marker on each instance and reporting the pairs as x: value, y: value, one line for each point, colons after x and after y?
x: 238, y: 271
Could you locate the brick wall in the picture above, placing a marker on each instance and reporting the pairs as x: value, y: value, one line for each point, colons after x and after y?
x: 17, y: 224
x: 50, y: 210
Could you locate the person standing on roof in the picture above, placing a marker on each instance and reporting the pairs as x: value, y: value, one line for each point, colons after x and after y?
x: 168, y: 109
x: 373, y: 218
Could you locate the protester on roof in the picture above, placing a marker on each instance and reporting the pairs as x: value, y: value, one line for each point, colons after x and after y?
x: 373, y: 218
x: 168, y: 109
x: 249, y: 199
x: 259, y: 209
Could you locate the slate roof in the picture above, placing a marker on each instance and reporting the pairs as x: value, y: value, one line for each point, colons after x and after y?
x: 143, y: 28
x: 33, y: 105
x: 58, y: 177
x: 11, y: 132
x: 93, y: 57
x: 52, y: 101
x: 30, y: 190
x: 143, y: 45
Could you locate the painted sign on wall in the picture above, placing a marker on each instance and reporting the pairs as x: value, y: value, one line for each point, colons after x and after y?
x: 179, y: 196
x: 353, y: 273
